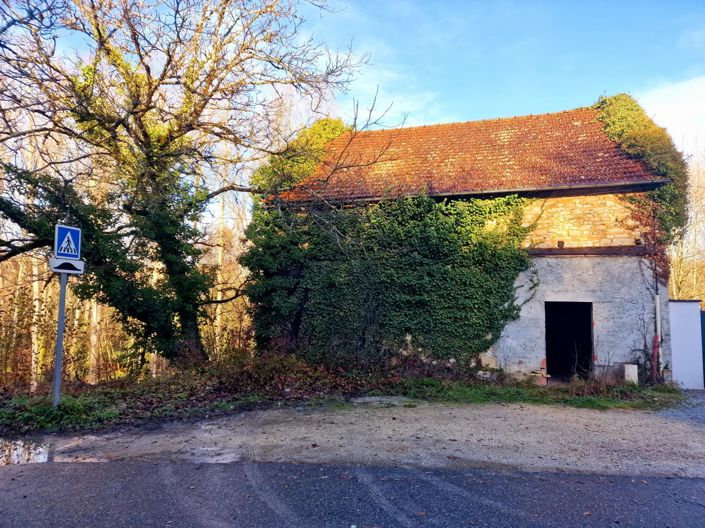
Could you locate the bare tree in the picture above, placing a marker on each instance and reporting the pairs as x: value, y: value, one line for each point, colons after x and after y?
x: 157, y: 101
x: 687, y: 255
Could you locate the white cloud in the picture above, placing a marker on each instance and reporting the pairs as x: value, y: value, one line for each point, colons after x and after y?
x: 398, y: 96
x: 680, y: 108
x: 693, y: 39
x: 394, y: 87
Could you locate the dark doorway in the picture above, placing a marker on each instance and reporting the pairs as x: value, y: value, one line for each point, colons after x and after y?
x: 568, y: 339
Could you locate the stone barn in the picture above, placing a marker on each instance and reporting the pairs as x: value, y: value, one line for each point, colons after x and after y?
x: 592, y: 297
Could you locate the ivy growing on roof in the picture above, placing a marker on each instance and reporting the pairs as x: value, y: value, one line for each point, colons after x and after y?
x: 300, y: 158
x: 638, y: 136
x: 362, y: 286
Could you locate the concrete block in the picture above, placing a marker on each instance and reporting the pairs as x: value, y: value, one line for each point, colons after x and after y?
x: 631, y: 373
x: 488, y: 360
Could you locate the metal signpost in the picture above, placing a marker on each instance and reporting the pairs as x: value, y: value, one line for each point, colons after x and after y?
x: 66, y: 261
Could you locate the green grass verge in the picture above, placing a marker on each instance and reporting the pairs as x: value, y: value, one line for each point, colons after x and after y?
x: 614, y: 397
x: 23, y: 415
x: 109, y: 405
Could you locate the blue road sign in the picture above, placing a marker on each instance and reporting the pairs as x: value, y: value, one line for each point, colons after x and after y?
x: 67, y: 242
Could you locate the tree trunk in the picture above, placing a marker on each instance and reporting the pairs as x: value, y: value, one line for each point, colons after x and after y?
x: 94, y: 343
x: 35, y: 334
x: 15, y: 331
x: 220, y: 257
x: 189, y: 346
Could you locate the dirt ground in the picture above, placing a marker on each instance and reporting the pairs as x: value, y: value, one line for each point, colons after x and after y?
x: 395, y: 432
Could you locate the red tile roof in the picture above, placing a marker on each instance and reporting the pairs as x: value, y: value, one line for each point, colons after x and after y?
x: 564, y: 150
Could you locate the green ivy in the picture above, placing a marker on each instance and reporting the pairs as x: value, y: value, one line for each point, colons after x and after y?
x: 362, y: 286
x: 638, y: 136
x: 300, y: 158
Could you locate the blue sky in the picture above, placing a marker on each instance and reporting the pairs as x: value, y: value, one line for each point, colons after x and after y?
x: 462, y: 60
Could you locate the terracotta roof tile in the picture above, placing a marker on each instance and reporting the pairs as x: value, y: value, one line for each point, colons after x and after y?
x: 528, y: 153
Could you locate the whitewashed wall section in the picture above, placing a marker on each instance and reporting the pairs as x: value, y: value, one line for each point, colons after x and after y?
x: 621, y: 290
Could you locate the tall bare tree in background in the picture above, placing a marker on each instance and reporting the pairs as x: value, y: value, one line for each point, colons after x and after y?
x: 140, y: 114
x: 687, y: 256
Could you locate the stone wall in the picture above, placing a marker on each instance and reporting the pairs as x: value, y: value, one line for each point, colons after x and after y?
x: 621, y: 290
x: 580, y: 221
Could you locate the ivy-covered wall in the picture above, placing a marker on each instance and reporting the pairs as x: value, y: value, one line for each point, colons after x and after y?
x: 365, y: 286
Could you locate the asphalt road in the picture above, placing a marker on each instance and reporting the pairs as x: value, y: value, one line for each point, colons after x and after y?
x: 244, y: 495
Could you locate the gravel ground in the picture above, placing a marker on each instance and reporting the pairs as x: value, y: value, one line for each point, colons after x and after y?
x: 692, y: 410
x: 529, y: 437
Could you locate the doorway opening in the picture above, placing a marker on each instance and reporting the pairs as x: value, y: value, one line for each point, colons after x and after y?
x: 568, y: 339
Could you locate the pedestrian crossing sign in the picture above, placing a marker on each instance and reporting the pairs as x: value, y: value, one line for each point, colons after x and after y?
x: 67, y: 242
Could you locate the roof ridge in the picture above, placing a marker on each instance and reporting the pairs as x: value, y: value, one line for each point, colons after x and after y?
x: 486, y: 120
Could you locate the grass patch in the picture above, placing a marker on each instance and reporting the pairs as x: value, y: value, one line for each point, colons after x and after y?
x: 574, y: 395
x: 29, y: 413
x: 187, y: 395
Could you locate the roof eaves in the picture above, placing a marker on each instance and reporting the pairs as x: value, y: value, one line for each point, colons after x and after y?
x: 603, y: 188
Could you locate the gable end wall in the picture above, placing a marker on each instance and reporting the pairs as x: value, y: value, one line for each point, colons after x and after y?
x: 580, y: 221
